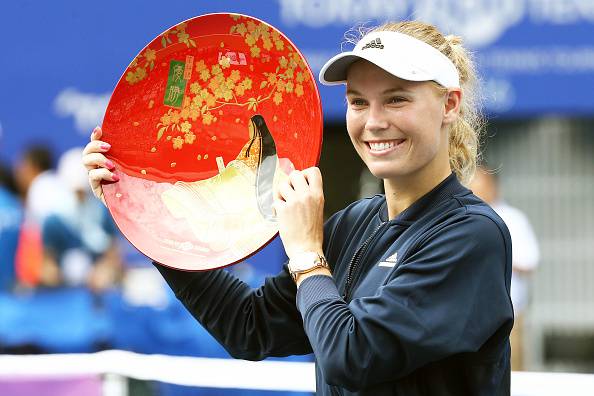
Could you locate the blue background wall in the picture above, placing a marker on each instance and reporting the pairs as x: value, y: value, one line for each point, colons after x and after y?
x: 60, y: 60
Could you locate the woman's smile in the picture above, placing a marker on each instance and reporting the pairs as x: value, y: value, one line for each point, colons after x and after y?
x: 385, y: 147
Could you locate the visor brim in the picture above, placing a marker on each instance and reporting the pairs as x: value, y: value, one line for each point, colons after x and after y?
x: 334, y: 72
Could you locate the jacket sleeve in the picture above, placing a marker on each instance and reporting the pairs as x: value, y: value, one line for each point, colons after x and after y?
x: 250, y: 323
x: 449, y: 296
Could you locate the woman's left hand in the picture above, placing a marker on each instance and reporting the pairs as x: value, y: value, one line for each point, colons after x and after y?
x: 299, y: 206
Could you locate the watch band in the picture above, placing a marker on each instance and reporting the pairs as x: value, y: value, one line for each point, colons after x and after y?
x: 318, y: 261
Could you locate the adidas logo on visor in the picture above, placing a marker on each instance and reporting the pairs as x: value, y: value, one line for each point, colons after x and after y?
x: 377, y: 43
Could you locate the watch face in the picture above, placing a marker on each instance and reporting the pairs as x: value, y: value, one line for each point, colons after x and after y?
x: 303, y: 261
x: 203, y: 124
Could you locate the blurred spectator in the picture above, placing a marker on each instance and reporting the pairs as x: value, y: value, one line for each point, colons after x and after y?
x: 10, y: 224
x: 33, y: 175
x: 525, y: 254
x: 77, y: 234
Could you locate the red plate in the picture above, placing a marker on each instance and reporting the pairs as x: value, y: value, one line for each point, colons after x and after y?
x: 203, y: 123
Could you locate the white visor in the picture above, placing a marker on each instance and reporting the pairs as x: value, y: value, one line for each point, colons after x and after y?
x: 399, y: 54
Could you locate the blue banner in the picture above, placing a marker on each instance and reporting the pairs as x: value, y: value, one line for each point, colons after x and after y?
x: 61, y: 59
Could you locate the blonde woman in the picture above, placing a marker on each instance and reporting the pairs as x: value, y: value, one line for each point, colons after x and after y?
x: 405, y: 293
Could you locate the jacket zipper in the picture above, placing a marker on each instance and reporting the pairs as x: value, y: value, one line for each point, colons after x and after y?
x: 354, y: 264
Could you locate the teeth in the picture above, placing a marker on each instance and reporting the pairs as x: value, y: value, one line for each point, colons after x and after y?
x: 382, y: 145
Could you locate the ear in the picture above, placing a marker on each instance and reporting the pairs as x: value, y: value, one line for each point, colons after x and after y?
x: 453, y: 100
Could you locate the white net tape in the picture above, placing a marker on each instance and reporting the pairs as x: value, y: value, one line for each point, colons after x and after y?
x: 238, y: 374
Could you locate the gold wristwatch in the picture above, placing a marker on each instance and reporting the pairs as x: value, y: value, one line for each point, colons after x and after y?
x: 306, y: 262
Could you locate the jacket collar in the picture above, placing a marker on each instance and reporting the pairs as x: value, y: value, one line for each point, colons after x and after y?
x: 449, y: 187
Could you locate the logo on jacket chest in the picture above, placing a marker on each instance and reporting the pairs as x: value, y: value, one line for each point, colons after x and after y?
x: 389, y: 261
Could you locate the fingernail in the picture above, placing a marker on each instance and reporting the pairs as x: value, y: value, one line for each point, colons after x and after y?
x: 109, y: 164
x: 115, y: 177
x: 105, y: 146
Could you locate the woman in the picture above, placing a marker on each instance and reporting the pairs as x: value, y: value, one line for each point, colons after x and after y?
x: 402, y: 294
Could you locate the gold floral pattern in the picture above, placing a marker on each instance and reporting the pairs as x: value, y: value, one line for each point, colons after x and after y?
x: 145, y: 62
x: 215, y: 86
x: 180, y: 33
x: 139, y: 66
x: 178, y: 142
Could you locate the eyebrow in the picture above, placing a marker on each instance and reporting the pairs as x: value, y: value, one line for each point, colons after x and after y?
x: 351, y: 91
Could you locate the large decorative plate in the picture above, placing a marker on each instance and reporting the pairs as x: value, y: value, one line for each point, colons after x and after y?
x: 203, y: 124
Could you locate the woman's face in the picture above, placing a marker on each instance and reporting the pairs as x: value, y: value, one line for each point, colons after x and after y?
x: 396, y: 126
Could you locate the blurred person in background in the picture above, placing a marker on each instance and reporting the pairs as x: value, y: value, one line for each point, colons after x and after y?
x: 525, y: 254
x: 32, y: 173
x: 77, y: 234
x: 10, y: 224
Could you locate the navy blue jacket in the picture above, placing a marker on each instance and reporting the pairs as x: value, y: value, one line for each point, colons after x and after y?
x: 417, y: 305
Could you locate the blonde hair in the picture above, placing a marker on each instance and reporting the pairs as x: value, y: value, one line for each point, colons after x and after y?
x: 466, y: 132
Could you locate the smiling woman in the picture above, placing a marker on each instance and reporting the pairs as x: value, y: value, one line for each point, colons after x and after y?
x: 405, y: 293
x: 466, y: 129
x: 401, y: 132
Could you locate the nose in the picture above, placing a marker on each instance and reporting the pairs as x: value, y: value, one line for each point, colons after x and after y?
x: 376, y: 119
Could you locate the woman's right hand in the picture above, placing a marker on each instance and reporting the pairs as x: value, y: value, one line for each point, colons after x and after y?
x: 98, y: 166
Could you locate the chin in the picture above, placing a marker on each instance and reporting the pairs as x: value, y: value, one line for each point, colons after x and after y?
x: 386, y: 167
x: 383, y: 173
